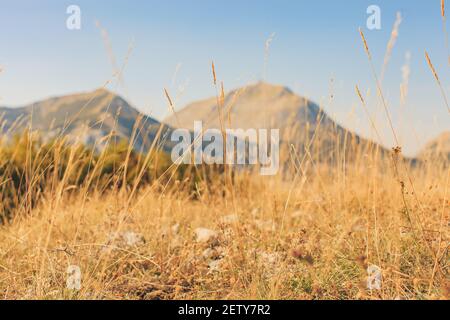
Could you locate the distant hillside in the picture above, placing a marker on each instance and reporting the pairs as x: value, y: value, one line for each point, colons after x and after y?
x: 438, y: 148
x: 257, y: 106
x: 86, y: 117
x: 264, y: 105
x: 89, y: 117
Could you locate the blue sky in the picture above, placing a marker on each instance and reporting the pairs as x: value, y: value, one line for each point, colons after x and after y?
x: 314, y: 42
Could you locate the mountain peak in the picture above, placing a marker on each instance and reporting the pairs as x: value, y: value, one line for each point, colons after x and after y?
x: 264, y: 105
x: 267, y: 88
x: 257, y: 105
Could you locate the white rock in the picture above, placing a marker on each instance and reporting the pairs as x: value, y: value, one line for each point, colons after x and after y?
x: 175, y: 228
x: 230, y: 219
x: 360, y: 225
x: 124, y: 239
x: 265, y: 225
x: 171, y: 231
x: 208, y: 253
x: 204, y: 235
x: 176, y: 242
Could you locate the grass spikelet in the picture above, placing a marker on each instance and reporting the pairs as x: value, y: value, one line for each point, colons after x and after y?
x: 366, y: 110
x: 444, y: 27
x: 378, y: 83
x: 406, y: 72
x: 168, y: 97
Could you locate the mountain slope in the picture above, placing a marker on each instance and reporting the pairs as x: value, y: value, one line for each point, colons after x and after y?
x: 86, y: 117
x: 256, y: 106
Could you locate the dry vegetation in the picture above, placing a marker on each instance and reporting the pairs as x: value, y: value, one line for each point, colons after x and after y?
x: 145, y: 229
x: 310, y: 237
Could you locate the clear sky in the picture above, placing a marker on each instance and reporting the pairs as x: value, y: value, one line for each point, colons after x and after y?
x: 314, y: 42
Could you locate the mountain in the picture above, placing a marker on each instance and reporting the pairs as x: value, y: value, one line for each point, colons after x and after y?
x: 256, y: 106
x: 85, y: 117
x: 438, y: 148
x: 267, y: 106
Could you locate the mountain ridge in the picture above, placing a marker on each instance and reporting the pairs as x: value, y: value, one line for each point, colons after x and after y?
x: 90, y: 116
x: 266, y: 106
x: 87, y: 117
x: 437, y: 148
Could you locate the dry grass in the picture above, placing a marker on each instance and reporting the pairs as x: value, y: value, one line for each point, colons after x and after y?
x: 308, y: 238
x: 231, y: 234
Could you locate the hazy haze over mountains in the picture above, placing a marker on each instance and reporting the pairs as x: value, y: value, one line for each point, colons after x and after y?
x: 266, y: 106
x: 261, y: 105
x: 85, y: 117
x: 88, y: 117
x: 438, y: 148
